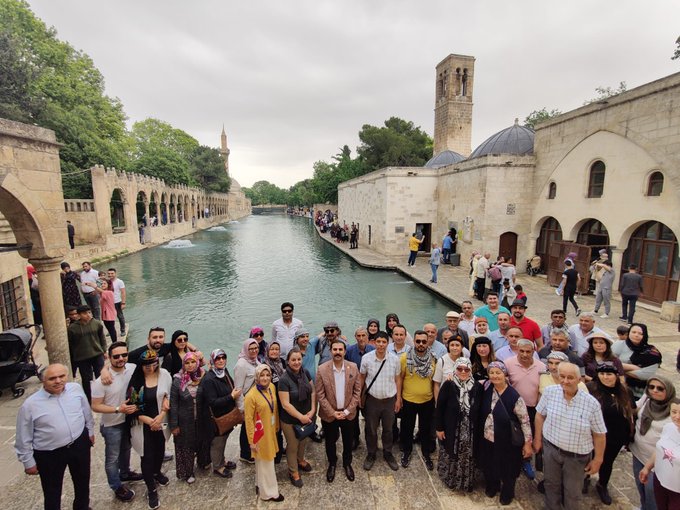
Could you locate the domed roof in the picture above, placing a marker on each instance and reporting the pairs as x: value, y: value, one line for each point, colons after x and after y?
x: 516, y: 139
x: 444, y: 158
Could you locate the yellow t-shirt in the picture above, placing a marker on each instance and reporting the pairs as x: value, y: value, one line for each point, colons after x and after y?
x: 415, y: 389
x: 414, y: 244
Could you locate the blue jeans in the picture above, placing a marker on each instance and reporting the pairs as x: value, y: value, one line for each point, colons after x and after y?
x: 412, y: 258
x: 116, y: 453
x: 434, y: 272
x: 646, y: 491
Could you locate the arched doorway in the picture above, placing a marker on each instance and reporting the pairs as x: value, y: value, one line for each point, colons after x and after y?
x: 594, y: 234
x: 507, y: 246
x: 117, y: 206
x: 653, y: 248
x: 164, y: 209
x: 551, y: 231
x: 141, y: 208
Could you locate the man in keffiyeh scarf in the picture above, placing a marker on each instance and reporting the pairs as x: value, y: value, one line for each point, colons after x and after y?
x: 417, y: 369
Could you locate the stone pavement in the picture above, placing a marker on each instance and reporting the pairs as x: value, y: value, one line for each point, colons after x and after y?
x: 381, y: 488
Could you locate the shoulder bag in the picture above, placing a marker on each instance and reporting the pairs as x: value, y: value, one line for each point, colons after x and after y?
x: 227, y: 422
x: 365, y: 390
x: 516, y: 434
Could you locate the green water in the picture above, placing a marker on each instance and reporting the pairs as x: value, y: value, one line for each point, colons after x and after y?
x: 228, y: 281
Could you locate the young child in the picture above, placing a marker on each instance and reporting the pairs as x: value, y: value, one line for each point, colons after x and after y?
x: 622, y: 332
x: 520, y: 293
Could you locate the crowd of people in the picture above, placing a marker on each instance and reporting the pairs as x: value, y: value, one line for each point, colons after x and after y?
x: 490, y: 395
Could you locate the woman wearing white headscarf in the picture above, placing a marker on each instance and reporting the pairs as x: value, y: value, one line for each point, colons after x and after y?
x: 456, y: 416
x: 244, y: 380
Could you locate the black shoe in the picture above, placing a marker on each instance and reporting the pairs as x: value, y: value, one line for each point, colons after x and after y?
x: 152, y: 497
x: 505, y: 500
x: 230, y: 465
x: 541, y: 487
x: 349, y: 472
x: 491, y: 491
x: 247, y: 460
x: 586, y: 485
x: 277, y: 499
x: 124, y: 494
x: 604, y: 494
x: 167, y: 457
x: 296, y: 482
x: 405, y: 459
x: 317, y: 438
x: 330, y: 474
x: 132, y: 476
x: 306, y: 467
x: 428, y: 464
x: 225, y: 473
x: 161, y: 479
x: 370, y: 460
x: 391, y: 461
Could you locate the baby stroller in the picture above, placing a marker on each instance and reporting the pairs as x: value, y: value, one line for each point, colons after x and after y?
x: 534, y: 265
x: 16, y: 357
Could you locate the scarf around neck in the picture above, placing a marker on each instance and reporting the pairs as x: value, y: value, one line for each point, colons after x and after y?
x: 422, y: 365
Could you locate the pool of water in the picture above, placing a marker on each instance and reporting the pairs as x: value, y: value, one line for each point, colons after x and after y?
x: 218, y: 283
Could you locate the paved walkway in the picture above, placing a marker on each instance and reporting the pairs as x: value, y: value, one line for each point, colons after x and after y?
x: 411, y: 488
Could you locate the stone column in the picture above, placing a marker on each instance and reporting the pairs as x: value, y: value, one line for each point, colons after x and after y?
x: 617, y: 260
x: 52, y: 302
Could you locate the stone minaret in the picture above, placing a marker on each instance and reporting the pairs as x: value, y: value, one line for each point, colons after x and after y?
x: 453, y: 105
x: 224, y: 150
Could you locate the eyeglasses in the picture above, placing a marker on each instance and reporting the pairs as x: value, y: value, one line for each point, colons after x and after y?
x: 220, y: 357
x: 258, y: 334
x: 463, y: 369
x: 654, y: 387
x: 118, y: 356
x: 286, y: 311
x: 420, y: 342
x: 329, y: 330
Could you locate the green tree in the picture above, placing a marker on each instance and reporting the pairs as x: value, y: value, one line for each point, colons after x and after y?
x: 398, y: 143
x: 302, y: 194
x: 207, y: 168
x: 538, y: 116
x: 604, y: 93
x: 676, y: 53
x: 264, y: 192
x: 50, y: 83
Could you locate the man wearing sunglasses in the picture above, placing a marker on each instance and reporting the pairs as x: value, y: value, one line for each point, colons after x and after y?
x: 110, y: 400
x: 284, y: 329
x: 321, y: 344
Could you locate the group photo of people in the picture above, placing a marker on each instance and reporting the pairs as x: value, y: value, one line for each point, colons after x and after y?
x: 486, y: 396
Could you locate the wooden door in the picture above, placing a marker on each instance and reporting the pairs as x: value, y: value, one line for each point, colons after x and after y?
x: 507, y: 246
x: 656, y: 268
x: 558, y: 252
x: 424, y: 231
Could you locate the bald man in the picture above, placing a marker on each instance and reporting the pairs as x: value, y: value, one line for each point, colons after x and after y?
x: 55, y: 429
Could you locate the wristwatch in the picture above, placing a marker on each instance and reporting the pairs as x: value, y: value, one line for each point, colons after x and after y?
x: 117, y: 410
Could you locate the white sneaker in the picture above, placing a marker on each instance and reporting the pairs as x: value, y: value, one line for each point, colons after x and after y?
x: 604, y: 316
x: 191, y: 480
x: 557, y: 291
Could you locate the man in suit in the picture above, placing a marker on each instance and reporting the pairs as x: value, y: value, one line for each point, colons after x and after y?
x: 338, y: 391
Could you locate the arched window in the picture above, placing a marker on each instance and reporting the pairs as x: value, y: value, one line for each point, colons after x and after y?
x: 552, y: 191
x: 655, y: 185
x: 596, y: 180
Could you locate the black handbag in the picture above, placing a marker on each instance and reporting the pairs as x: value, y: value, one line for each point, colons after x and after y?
x: 516, y: 434
x: 303, y: 431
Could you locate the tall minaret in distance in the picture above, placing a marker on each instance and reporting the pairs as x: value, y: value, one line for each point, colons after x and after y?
x: 224, y: 150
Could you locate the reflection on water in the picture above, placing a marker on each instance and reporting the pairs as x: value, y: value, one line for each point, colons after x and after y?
x: 230, y: 280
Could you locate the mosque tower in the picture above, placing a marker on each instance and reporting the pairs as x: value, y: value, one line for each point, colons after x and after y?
x: 453, y: 105
x: 224, y: 150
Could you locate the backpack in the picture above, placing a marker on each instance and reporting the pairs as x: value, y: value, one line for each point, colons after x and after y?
x: 495, y: 273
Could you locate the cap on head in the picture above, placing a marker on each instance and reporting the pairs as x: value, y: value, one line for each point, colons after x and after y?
x: 452, y: 315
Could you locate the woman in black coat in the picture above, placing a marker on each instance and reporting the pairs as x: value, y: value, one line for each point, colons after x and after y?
x: 455, y: 418
x: 216, y: 397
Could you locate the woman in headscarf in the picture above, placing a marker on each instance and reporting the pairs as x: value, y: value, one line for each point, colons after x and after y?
x: 446, y: 365
x: 298, y: 404
x: 501, y: 409
x: 618, y: 410
x: 257, y: 333
x: 482, y: 354
x: 551, y: 377
x: 172, y: 362
x: 456, y: 415
x: 654, y: 411
x: 69, y: 286
x: 640, y: 360
x: 277, y: 366
x: 149, y: 390
x: 244, y: 380
x: 391, y: 320
x: 373, y: 327
x: 216, y: 397
x: 261, y: 422
x: 184, y: 416
x: 481, y: 328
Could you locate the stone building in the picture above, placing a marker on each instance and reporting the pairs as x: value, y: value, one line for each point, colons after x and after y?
x: 606, y: 175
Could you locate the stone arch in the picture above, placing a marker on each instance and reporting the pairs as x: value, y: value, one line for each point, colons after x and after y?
x: 117, y: 207
x: 141, y: 207
x: 164, y: 209
x: 549, y: 231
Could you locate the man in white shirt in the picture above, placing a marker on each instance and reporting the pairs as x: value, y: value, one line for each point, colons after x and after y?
x: 467, y: 318
x: 579, y: 332
x: 284, y: 329
x: 90, y: 275
x: 110, y: 400
x: 399, y: 345
x: 119, y: 296
x: 480, y: 276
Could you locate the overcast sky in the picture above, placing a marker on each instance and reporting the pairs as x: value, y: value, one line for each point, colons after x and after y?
x: 293, y: 81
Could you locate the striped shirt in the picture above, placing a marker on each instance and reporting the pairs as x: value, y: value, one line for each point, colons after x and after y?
x: 385, y: 385
x: 570, y: 425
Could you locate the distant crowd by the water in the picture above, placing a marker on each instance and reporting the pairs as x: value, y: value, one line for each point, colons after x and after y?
x: 487, y: 396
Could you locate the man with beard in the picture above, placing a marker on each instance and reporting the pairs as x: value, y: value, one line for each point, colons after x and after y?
x: 530, y: 329
x: 338, y: 391
x: 417, y: 396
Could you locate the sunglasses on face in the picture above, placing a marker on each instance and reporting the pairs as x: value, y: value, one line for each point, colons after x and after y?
x: 220, y: 358
x: 118, y: 356
x: 462, y: 369
x: 420, y: 342
x: 286, y: 311
x: 329, y: 330
x: 653, y: 387
x: 258, y: 334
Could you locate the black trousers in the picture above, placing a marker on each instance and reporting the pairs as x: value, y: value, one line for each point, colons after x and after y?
x: 152, y: 460
x: 89, y: 370
x: 568, y: 296
x: 121, y: 317
x: 52, y: 466
x: 480, y: 288
x: 332, y: 430
x: 425, y: 414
